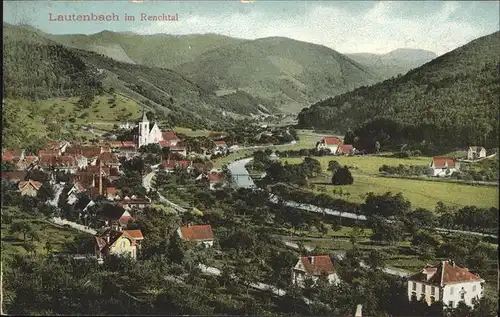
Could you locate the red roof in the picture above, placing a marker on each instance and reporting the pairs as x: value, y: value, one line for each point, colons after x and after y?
x: 215, y: 177
x: 440, y: 162
x: 171, y: 164
x: 345, y: 148
x: 11, y: 155
x: 164, y: 143
x: 169, y: 136
x: 197, y: 232
x: 30, y: 159
x: 58, y: 161
x: 331, y: 140
x: 129, y: 144
x: 221, y: 143
x: 446, y: 272
x: 47, y: 153
x: 110, y: 190
x: 317, y: 264
x: 135, y: 234
x: 87, y: 151
x: 16, y: 175
x: 108, y: 158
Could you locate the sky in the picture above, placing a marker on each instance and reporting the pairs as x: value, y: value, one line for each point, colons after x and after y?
x: 348, y: 27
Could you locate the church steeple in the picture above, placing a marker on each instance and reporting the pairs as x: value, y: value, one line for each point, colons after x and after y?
x: 144, y: 117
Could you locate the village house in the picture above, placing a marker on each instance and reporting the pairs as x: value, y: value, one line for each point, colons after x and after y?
x: 476, y: 152
x: 74, y: 192
x: 330, y: 143
x: 179, y: 149
x: 214, y: 178
x: 201, y: 234
x: 220, y: 148
x: 109, y: 159
x: 132, y: 202
x: 66, y: 163
x: 14, y: 177
x: 43, y: 153
x: 119, y: 243
x: 443, y: 166
x: 59, y: 146
x: 171, y: 165
x: 313, y: 267
x: 12, y: 156
x: 345, y: 149
x: 29, y: 187
x: 26, y: 163
x: 445, y: 282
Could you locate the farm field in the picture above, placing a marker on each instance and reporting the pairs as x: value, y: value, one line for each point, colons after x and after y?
x: 56, y: 235
x: 421, y: 193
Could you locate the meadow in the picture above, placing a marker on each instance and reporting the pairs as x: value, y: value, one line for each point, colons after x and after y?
x: 420, y: 193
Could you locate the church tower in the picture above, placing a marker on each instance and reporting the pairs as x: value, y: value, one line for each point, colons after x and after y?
x: 143, y: 129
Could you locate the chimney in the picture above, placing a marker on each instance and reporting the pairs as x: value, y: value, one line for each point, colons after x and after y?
x: 359, y: 309
x: 100, y: 178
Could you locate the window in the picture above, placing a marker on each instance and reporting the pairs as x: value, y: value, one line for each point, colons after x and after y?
x: 433, y: 290
x: 414, y: 286
x: 462, y: 296
x: 451, y: 291
x: 450, y: 303
x: 423, y: 288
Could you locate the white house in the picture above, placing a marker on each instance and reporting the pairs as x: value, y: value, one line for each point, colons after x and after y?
x: 197, y: 233
x: 443, y: 166
x: 329, y: 143
x: 476, y: 152
x: 314, y: 267
x: 445, y: 282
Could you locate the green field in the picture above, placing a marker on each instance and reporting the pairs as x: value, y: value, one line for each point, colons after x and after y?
x: 39, y: 117
x: 307, y: 140
x: 421, y: 193
x: 56, y: 235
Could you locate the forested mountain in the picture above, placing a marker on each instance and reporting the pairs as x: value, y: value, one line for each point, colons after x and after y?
x: 35, y: 67
x: 397, y: 62
x: 450, y: 101
x: 286, y: 72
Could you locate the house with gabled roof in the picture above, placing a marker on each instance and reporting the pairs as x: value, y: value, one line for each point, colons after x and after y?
x: 330, y: 143
x: 64, y: 163
x: 27, y: 162
x: 443, y: 166
x: 314, y: 267
x: 201, y: 234
x: 118, y: 242
x: 29, y: 187
x: 445, y: 282
x: 170, y: 165
x: 15, y: 176
x: 12, y: 156
x: 345, y: 149
x: 132, y: 202
x: 214, y: 178
x: 476, y: 152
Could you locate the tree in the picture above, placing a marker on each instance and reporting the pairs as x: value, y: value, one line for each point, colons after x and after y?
x: 21, y: 227
x: 425, y: 243
x: 349, y: 137
x: 376, y: 259
x: 333, y: 166
x: 46, y: 192
x: 342, y: 176
x: 377, y: 146
x: 421, y: 218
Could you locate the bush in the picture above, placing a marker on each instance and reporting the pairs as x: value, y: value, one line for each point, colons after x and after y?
x: 342, y: 176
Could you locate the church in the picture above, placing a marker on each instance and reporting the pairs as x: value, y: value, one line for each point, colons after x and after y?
x: 146, y: 135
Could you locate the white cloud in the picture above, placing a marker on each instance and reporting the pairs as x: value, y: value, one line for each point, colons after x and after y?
x: 380, y: 30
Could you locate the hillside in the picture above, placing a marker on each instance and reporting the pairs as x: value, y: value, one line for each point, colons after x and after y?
x: 37, y: 68
x: 451, y: 101
x: 157, y: 50
x: 397, y: 62
x: 288, y: 73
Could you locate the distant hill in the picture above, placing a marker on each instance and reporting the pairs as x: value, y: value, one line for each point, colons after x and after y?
x: 397, y: 62
x: 450, y: 101
x: 157, y: 50
x: 286, y: 72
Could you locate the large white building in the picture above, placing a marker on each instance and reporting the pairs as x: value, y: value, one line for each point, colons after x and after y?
x: 330, y: 143
x: 443, y: 166
x: 313, y: 267
x: 447, y: 283
x: 153, y: 135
